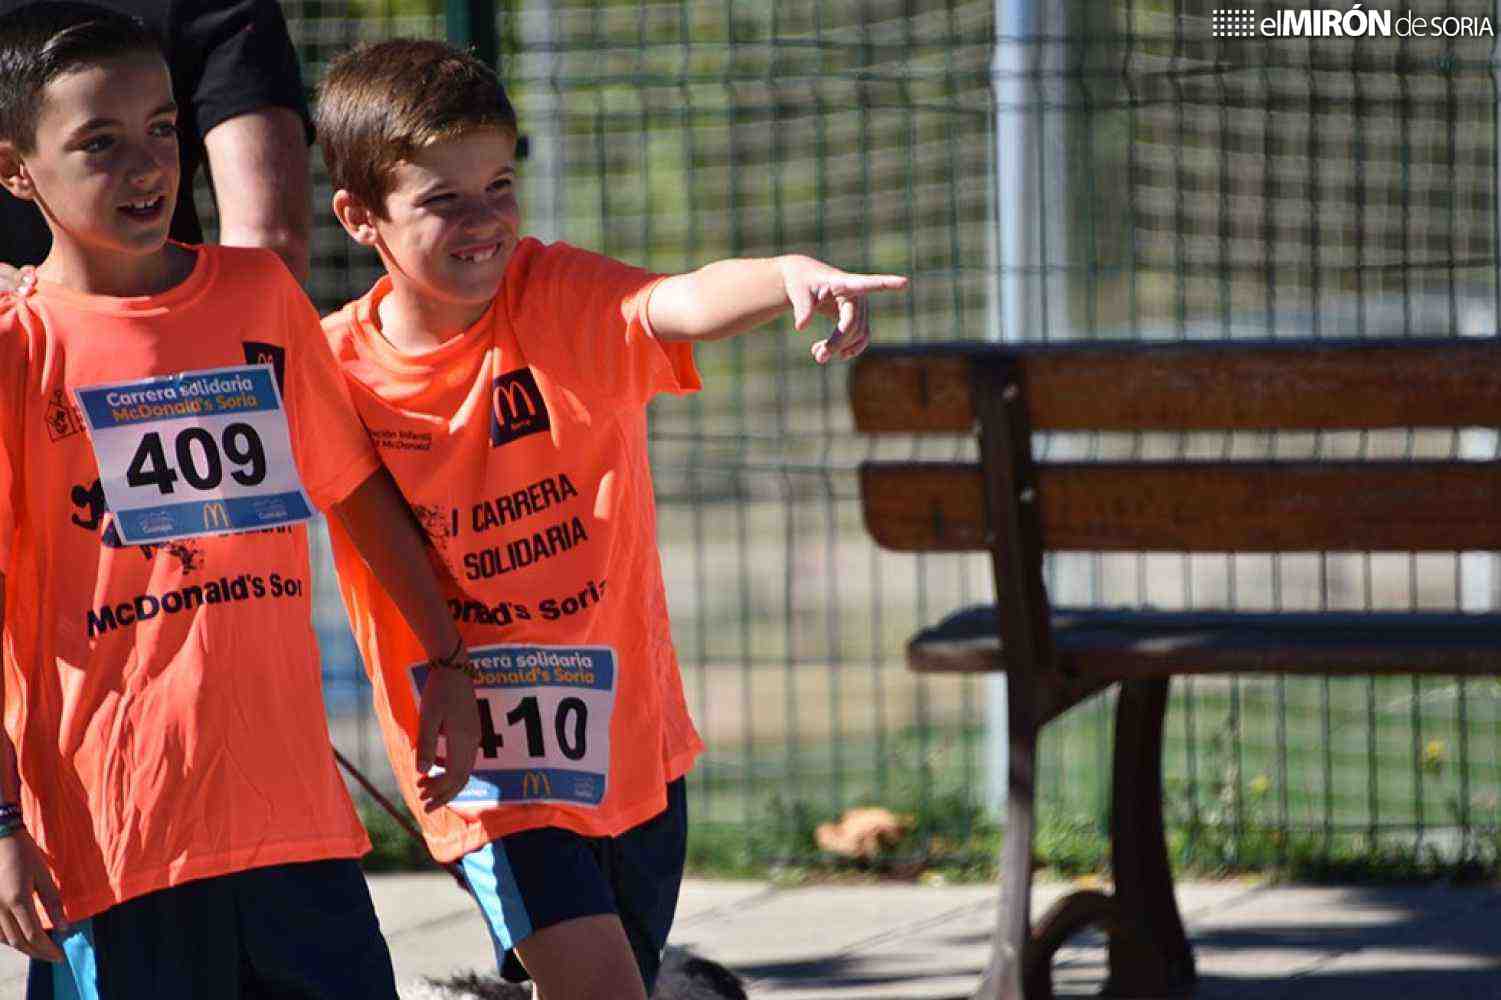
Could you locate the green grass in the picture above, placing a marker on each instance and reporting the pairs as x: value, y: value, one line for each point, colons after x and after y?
x: 952, y: 841
x: 1330, y: 806
x: 392, y: 848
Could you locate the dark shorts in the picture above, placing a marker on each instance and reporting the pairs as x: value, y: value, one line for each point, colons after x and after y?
x: 305, y: 931
x: 532, y: 880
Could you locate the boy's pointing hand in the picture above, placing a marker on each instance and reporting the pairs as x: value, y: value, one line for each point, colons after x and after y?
x: 814, y: 287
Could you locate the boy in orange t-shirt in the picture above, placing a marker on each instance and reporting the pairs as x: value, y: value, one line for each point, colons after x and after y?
x: 169, y: 415
x: 505, y: 384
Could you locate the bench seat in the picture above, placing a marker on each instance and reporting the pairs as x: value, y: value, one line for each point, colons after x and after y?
x: 1116, y: 645
x: 1017, y: 508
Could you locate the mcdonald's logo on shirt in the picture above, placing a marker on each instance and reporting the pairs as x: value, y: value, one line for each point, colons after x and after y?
x: 516, y: 407
x: 258, y: 353
x: 215, y: 517
x: 536, y: 785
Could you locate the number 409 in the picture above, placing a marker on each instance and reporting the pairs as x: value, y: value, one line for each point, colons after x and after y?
x: 199, y: 458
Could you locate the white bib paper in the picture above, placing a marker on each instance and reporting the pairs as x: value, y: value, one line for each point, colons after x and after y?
x: 198, y: 453
x: 544, y: 724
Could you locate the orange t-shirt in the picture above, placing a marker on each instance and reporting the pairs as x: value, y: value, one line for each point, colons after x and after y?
x: 521, y: 447
x: 165, y: 701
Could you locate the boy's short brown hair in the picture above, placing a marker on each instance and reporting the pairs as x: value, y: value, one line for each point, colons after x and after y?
x: 380, y: 103
x: 41, y: 41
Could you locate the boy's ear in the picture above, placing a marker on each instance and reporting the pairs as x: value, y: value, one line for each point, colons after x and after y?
x: 14, y: 176
x: 356, y: 218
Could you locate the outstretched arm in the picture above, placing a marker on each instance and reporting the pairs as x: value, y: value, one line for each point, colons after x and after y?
x: 382, y: 528
x: 730, y: 297
x: 24, y: 877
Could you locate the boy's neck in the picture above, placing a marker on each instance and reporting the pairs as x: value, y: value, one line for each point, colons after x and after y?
x: 415, y: 323
x: 118, y: 275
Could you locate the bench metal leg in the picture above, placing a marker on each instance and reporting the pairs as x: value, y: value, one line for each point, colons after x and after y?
x: 1003, y: 976
x: 1149, y: 951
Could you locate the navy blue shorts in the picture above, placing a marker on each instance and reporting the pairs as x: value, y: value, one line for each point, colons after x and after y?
x: 532, y: 880
x: 306, y: 931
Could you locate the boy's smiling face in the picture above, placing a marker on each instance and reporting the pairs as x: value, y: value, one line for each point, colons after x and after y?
x: 452, y: 222
x: 103, y: 167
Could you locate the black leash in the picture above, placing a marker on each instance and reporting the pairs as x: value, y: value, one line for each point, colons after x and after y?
x: 451, y: 867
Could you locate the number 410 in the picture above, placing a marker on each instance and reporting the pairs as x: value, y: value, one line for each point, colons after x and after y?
x: 570, y: 725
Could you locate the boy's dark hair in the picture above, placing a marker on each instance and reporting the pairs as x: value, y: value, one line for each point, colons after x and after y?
x: 41, y: 41
x: 380, y: 103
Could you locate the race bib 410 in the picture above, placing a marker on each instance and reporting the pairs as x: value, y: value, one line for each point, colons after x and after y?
x: 199, y: 453
x: 544, y: 714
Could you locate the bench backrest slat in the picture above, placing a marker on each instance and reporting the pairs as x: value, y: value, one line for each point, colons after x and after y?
x: 1208, y: 507
x: 1301, y: 385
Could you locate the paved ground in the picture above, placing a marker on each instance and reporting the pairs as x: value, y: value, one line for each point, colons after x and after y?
x: 926, y: 943
x: 930, y: 943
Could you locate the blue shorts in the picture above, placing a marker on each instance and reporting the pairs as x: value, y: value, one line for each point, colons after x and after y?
x: 532, y: 880
x: 305, y: 931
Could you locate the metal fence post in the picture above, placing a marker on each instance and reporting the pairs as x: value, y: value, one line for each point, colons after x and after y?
x: 537, y: 64
x: 1016, y: 23
x: 472, y: 23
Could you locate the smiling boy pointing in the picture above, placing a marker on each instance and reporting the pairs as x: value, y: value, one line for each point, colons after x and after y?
x: 505, y: 383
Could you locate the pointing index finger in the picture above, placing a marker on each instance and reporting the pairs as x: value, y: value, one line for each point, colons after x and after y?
x: 870, y: 283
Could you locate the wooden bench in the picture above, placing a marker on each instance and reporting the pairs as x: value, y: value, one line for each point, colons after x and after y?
x: 1017, y: 508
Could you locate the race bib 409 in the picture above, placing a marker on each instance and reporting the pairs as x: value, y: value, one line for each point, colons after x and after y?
x: 199, y: 453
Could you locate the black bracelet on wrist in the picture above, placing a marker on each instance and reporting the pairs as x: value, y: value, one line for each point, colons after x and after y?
x: 457, y: 660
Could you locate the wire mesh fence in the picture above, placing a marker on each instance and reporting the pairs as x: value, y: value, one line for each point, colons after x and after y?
x: 1166, y: 184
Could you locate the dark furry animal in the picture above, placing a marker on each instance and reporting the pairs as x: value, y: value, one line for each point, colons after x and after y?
x: 684, y: 976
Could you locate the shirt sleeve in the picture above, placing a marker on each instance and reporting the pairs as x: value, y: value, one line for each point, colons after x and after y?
x: 333, y: 451
x: 245, y: 61
x: 593, y: 308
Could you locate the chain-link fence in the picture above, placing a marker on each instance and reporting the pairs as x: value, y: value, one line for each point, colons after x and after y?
x: 1042, y: 170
